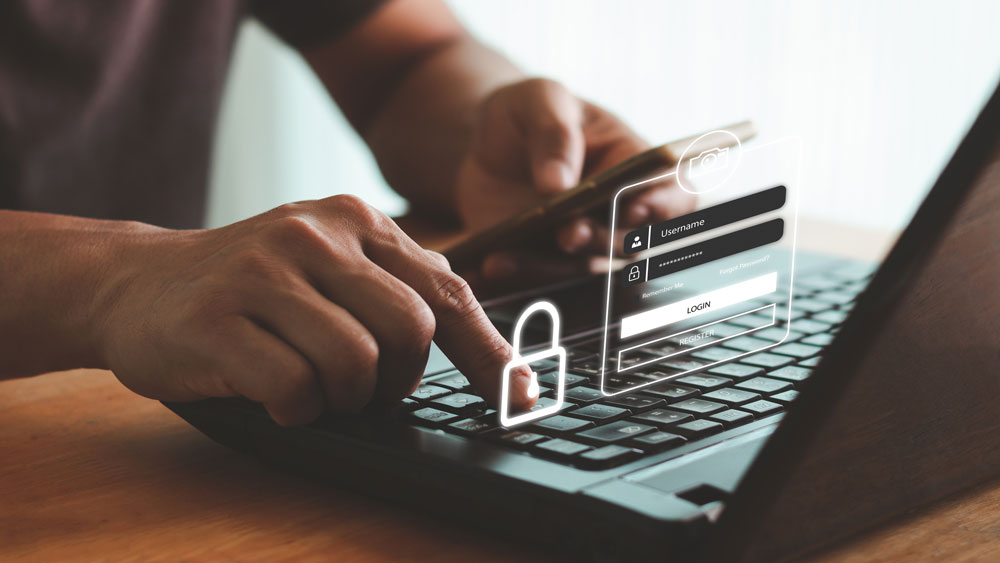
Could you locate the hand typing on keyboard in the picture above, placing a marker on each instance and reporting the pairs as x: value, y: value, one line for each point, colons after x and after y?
x: 534, y: 139
x: 313, y: 306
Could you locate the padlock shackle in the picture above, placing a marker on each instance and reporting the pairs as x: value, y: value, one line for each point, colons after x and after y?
x: 531, y: 310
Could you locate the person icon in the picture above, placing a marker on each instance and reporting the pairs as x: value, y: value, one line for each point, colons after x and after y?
x: 637, y: 242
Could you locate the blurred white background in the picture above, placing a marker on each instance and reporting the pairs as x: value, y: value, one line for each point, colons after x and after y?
x: 879, y: 92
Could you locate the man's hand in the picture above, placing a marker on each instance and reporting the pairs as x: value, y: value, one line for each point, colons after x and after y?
x: 534, y: 139
x: 313, y: 306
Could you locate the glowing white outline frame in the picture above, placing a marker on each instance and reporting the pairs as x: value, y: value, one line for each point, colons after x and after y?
x: 612, y: 271
x: 772, y: 306
x: 518, y: 360
x: 681, y: 161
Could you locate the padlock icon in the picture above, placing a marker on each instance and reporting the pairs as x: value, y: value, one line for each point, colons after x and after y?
x: 554, y: 350
x: 633, y: 274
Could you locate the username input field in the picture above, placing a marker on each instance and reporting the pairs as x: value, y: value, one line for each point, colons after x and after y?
x: 714, y: 300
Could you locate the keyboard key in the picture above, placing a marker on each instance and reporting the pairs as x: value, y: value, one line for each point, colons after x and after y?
x: 455, y: 382
x: 661, y: 348
x: 657, y: 441
x: 781, y: 314
x: 560, y: 448
x: 583, y: 395
x: 810, y: 326
x: 471, y: 427
x: 408, y: 404
x: 432, y: 417
x: 818, y: 282
x: 764, y: 385
x: 785, y: 398
x: 670, y: 392
x: 635, y: 403
x: 698, y: 429
x: 810, y: 305
x: 731, y: 396
x: 660, y: 373
x: 737, y: 371
x: 588, y: 367
x: 685, y: 364
x: 544, y: 402
x: 614, y: 432
x: 634, y: 359
x: 761, y: 407
x: 698, y: 406
x: 713, y: 353
x: 811, y: 362
x: 722, y: 330
x: 460, y: 403
x: 704, y: 382
x: 558, y: 425
x: 836, y: 297
x: 663, y: 418
x: 520, y: 439
x: 732, y: 418
x: 427, y: 392
x: 797, y: 350
x: 608, y: 456
x: 775, y: 334
x: 832, y: 317
x: 746, y: 343
x: 749, y: 321
x: 821, y: 339
x: 487, y: 414
x: 623, y: 381
x: 791, y: 373
x: 600, y: 413
x: 767, y: 360
x: 760, y: 319
x: 551, y: 378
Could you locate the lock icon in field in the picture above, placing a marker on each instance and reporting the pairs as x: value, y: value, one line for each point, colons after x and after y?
x: 633, y: 274
x: 553, y: 351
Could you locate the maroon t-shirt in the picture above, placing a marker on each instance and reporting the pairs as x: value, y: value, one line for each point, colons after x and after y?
x: 108, y: 107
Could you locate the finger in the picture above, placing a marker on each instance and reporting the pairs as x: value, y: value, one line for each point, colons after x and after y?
x: 599, y: 240
x: 398, y: 318
x: 261, y: 367
x: 341, y: 350
x: 586, y: 235
x: 551, y: 119
x: 463, y: 332
x: 647, y: 204
x: 666, y: 202
x: 441, y: 259
x: 575, y: 235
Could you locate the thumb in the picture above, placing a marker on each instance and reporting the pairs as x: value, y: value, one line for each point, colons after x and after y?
x: 554, y: 138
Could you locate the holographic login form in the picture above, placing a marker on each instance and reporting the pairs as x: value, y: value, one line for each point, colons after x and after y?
x: 695, y: 290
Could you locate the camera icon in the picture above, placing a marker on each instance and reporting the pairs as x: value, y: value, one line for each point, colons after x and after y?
x: 708, y: 161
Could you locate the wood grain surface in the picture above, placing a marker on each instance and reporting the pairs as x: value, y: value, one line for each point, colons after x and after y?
x: 91, y: 472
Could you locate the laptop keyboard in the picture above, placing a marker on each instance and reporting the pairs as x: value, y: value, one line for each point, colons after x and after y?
x: 594, y: 431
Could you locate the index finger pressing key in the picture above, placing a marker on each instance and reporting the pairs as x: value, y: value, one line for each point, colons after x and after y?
x: 463, y: 331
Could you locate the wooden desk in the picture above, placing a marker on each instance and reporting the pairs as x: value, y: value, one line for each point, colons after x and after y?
x: 90, y: 471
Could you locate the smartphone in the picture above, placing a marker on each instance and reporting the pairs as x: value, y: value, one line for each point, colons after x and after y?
x: 592, y: 192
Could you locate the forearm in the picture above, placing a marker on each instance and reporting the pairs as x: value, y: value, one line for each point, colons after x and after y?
x: 56, y: 277
x: 422, y: 130
x: 409, y: 80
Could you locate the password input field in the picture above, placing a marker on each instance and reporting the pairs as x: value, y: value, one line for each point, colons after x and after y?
x: 714, y: 300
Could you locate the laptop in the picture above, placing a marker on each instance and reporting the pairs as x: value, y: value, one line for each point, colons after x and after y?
x: 882, y: 398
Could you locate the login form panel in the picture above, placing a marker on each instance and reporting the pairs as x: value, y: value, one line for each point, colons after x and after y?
x: 709, y: 280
